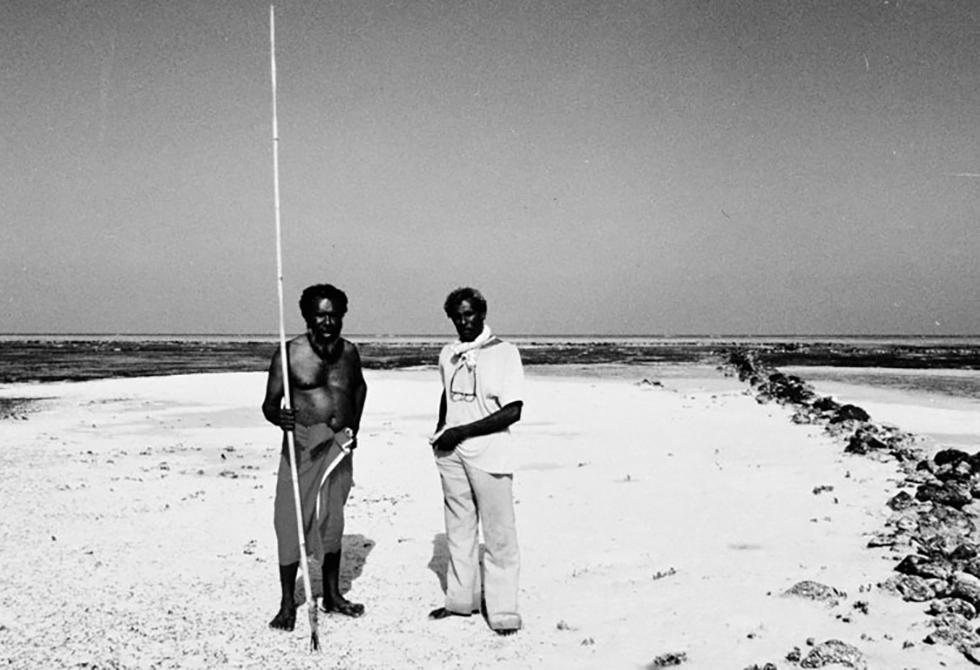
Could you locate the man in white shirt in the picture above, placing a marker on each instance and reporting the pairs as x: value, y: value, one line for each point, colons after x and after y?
x: 483, y: 380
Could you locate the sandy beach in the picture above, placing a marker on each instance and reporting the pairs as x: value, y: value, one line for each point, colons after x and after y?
x: 660, y: 523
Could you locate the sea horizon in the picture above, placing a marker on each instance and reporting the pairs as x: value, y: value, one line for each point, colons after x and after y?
x: 39, y: 357
x: 575, y: 337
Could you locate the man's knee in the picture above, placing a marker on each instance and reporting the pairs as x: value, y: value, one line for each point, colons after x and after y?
x: 332, y: 541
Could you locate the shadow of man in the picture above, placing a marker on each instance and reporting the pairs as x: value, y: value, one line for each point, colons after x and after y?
x: 439, y: 565
x: 354, y: 552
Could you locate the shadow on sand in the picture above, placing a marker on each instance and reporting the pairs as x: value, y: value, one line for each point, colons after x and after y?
x: 354, y: 552
x: 439, y: 563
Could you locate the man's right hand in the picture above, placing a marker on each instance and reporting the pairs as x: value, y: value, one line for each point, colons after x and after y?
x: 287, y: 418
x: 447, y: 440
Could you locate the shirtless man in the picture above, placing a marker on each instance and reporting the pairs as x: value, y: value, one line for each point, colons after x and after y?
x: 327, y: 391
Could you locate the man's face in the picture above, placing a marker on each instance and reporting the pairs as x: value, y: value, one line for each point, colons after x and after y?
x: 326, y: 321
x: 468, y: 321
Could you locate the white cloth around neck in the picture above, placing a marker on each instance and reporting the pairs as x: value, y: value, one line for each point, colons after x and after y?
x: 468, y: 350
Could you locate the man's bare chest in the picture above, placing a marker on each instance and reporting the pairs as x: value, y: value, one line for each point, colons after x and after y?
x: 318, y: 374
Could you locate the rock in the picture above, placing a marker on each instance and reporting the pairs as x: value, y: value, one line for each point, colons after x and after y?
x: 842, y: 430
x: 942, y: 529
x: 954, y: 630
x: 826, y: 404
x: 965, y: 552
x: 850, y: 413
x: 959, y: 472
x: 667, y: 660
x: 913, y: 588
x: 815, y: 591
x: 804, y: 415
x: 907, y: 520
x: 950, y: 456
x: 952, y: 606
x: 905, y: 450
x: 797, y: 391
x: 901, y: 501
x: 963, y: 470
x: 971, y: 566
x: 835, y: 651
x: 966, y: 587
x: 865, y: 439
x: 895, y: 539
x: 931, y: 568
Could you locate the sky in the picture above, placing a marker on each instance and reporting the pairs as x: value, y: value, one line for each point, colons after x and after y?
x: 593, y: 167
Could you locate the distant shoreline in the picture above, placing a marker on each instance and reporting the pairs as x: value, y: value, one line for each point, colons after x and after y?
x: 25, y: 359
x: 574, y: 337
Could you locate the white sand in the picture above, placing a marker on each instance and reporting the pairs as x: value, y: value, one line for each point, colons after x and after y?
x: 652, y: 520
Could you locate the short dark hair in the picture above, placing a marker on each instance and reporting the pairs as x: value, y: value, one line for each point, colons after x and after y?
x: 312, y: 295
x: 456, y: 298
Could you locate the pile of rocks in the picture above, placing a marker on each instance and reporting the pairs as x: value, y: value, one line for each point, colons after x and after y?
x: 849, y: 423
x: 936, y: 526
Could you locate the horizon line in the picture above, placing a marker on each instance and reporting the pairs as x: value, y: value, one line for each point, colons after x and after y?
x: 449, y: 335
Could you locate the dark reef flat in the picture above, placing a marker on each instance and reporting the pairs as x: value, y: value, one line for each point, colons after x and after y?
x: 75, y: 360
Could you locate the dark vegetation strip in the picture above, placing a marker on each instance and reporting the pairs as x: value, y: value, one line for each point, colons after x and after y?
x: 82, y: 360
x: 910, y: 355
x: 76, y: 360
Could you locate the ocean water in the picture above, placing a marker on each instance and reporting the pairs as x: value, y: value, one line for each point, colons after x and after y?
x: 941, y: 407
x: 941, y: 365
x: 963, y: 383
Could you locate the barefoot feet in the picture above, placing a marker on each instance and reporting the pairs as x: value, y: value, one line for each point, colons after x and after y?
x: 285, y: 619
x: 341, y: 605
x: 442, y: 613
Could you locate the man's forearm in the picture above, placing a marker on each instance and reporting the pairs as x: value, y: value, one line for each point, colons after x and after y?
x: 360, y: 395
x: 494, y: 423
x: 441, y: 421
x: 271, y: 414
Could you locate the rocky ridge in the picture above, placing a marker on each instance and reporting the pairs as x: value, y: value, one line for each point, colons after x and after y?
x: 934, y: 518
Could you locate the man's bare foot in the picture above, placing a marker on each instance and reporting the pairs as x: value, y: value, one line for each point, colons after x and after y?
x: 343, y: 606
x: 285, y: 619
x: 443, y: 613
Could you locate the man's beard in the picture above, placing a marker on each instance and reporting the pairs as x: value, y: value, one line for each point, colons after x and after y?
x: 324, y: 336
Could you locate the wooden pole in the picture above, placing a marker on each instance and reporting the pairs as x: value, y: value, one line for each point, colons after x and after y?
x: 290, y: 439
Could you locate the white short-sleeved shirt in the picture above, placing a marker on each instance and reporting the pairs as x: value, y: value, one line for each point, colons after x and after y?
x: 472, y: 394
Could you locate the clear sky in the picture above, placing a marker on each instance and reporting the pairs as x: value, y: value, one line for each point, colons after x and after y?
x: 617, y: 167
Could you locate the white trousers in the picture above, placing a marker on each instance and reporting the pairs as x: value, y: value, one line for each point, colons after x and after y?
x: 473, y: 497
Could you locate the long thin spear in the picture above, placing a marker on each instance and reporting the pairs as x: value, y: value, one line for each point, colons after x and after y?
x: 291, y: 442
